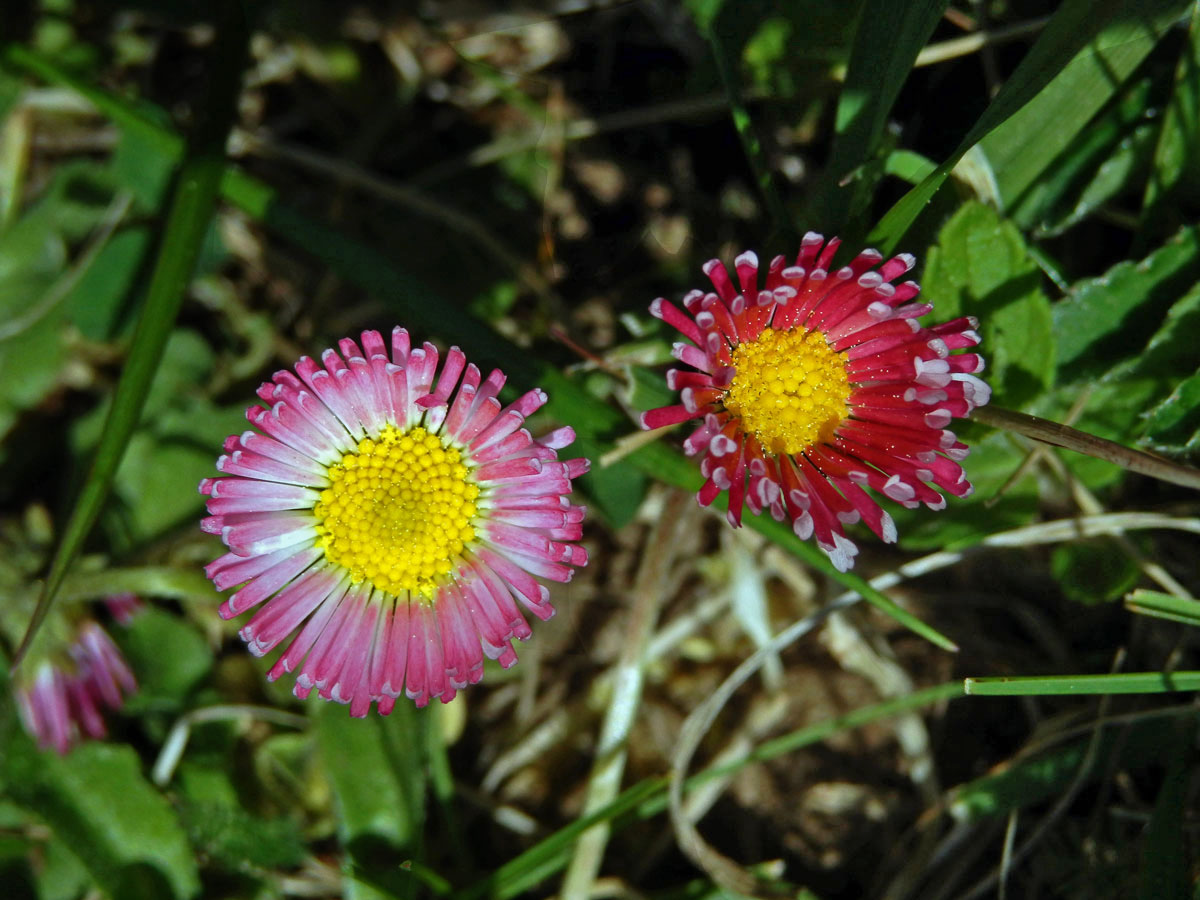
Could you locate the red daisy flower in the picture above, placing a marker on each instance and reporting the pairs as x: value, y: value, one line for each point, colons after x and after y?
x: 818, y: 386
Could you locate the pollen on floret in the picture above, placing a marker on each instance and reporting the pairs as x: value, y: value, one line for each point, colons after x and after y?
x: 398, y: 511
x: 790, y: 389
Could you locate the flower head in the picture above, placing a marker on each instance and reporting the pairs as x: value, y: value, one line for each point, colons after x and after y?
x: 63, y: 700
x: 818, y: 385
x: 393, y: 519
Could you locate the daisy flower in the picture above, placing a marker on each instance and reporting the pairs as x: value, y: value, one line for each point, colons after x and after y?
x: 392, y: 522
x: 818, y: 386
x: 63, y: 702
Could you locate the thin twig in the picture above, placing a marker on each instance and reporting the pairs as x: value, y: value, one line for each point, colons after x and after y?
x: 1088, y: 444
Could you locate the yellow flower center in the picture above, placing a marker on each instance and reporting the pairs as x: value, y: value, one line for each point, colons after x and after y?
x: 397, y: 511
x: 790, y: 389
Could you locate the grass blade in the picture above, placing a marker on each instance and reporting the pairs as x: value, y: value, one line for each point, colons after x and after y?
x: 726, y: 60
x: 886, y: 44
x: 1064, y: 685
x: 1164, y: 606
x: 187, y: 223
x: 1083, y: 37
x: 1175, y: 154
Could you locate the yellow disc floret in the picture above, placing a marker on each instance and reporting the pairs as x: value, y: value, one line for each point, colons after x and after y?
x: 790, y: 389
x: 397, y: 511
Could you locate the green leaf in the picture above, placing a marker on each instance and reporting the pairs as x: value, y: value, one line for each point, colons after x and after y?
x: 1173, y: 426
x: 1031, y: 780
x: 1124, y: 33
x: 1103, y: 317
x: 103, y: 289
x: 1125, y: 166
x: 1052, y: 198
x: 98, y: 803
x: 980, y: 267
x: 169, y: 656
x: 376, y: 768
x: 1086, y: 50
x: 238, y: 840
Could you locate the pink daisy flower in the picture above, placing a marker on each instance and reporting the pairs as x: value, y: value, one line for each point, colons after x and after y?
x: 63, y: 702
x: 393, y: 523
x: 818, y: 386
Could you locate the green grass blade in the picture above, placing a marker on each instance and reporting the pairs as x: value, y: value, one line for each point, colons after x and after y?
x: 886, y: 43
x: 149, y: 123
x: 1084, y: 43
x: 1164, y: 606
x: 725, y: 57
x: 1175, y: 154
x: 187, y: 223
x: 1022, y: 149
x: 1064, y: 685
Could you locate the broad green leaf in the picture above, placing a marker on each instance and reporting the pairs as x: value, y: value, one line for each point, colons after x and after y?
x: 376, y: 767
x: 103, y: 289
x: 1125, y: 166
x: 373, y: 798
x: 980, y: 267
x: 237, y: 840
x: 1103, y: 318
x: 140, y: 166
x: 1173, y: 350
x: 169, y: 656
x: 61, y: 876
x: 98, y: 803
x: 1118, y: 401
x: 1087, y: 46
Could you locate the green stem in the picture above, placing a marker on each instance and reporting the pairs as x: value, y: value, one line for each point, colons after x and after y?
x: 188, y: 220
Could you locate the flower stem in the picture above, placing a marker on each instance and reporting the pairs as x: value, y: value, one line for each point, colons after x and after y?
x: 1081, y: 442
